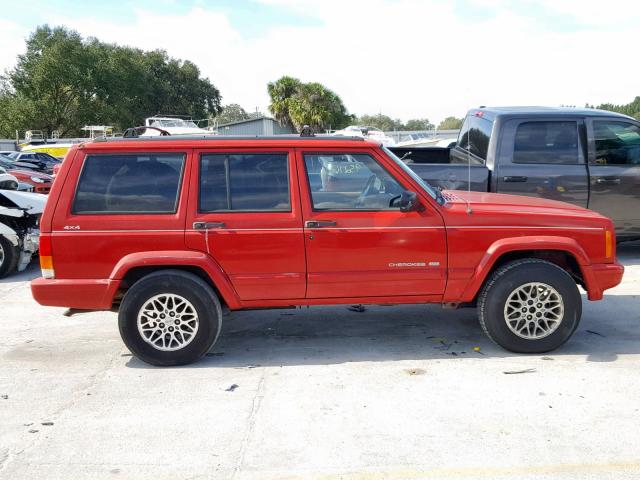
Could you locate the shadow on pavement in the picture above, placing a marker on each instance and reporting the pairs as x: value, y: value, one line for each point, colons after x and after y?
x: 334, y: 335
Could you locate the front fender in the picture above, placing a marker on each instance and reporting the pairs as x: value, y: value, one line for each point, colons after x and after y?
x: 516, y: 244
x: 178, y: 258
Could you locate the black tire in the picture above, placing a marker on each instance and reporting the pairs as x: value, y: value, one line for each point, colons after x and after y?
x: 505, y: 280
x: 173, y: 282
x: 9, y: 256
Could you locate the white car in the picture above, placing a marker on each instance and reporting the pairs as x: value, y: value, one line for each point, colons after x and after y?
x: 19, y: 228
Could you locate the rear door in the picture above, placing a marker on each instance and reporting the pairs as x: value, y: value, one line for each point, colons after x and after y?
x: 244, y: 212
x: 543, y: 158
x: 358, y: 243
x: 124, y: 202
x: 614, y: 165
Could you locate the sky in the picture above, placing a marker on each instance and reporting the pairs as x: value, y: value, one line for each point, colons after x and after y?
x: 403, y: 58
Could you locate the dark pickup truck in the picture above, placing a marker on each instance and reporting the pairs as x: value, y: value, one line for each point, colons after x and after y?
x: 587, y: 157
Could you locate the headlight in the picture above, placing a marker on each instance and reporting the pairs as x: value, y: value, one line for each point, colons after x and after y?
x: 37, y: 180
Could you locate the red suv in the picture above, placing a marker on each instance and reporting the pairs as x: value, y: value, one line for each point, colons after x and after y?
x: 169, y: 230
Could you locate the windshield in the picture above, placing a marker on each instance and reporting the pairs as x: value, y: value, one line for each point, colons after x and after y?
x: 426, y: 187
x: 178, y: 122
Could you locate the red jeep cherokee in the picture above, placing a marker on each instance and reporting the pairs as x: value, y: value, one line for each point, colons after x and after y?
x: 167, y: 230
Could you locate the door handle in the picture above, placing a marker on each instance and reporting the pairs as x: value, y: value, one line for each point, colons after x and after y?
x: 608, y: 181
x: 513, y: 179
x: 207, y: 225
x: 319, y: 223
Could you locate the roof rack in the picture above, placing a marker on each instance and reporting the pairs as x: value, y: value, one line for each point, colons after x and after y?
x: 223, y: 138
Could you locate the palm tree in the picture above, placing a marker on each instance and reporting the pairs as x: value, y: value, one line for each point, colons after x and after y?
x: 281, y: 92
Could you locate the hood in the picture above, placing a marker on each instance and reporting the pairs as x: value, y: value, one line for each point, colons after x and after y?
x: 31, y: 173
x: 506, y: 202
x: 33, y: 202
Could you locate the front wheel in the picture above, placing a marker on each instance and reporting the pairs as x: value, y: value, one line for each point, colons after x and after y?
x: 530, y: 306
x: 170, y: 317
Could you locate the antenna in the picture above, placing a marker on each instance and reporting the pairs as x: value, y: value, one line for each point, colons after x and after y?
x: 469, y: 211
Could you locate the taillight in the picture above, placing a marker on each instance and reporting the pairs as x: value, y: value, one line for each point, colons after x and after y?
x: 46, y: 257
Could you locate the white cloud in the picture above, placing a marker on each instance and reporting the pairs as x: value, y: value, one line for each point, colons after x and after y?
x: 405, y: 58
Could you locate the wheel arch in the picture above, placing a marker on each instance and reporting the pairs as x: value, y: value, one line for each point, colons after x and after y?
x: 133, y: 267
x: 561, y: 251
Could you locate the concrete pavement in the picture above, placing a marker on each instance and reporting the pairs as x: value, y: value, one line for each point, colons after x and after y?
x: 322, y: 393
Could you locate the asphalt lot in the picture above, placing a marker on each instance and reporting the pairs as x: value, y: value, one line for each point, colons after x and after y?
x: 322, y: 393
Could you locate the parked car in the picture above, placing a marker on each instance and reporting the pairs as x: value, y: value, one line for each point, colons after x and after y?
x: 168, y: 230
x: 43, y: 161
x: 587, y: 157
x: 40, y: 182
x: 7, y: 180
x: 19, y: 216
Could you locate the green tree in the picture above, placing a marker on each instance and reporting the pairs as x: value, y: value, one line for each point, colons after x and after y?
x: 297, y: 104
x: 383, y: 122
x: 419, y: 124
x: 632, y: 109
x: 281, y: 92
x: 450, y: 123
x: 232, y: 113
x: 63, y: 82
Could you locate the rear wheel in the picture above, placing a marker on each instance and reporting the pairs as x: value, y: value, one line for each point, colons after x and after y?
x: 9, y: 256
x: 530, y: 306
x: 169, y: 318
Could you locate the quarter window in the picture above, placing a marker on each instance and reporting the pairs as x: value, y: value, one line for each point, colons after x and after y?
x: 617, y: 143
x: 140, y: 183
x: 546, y: 142
x: 244, y: 182
x: 343, y: 181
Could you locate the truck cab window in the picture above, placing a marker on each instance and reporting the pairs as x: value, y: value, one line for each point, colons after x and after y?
x: 546, y: 142
x: 474, y: 137
x: 617, y: 143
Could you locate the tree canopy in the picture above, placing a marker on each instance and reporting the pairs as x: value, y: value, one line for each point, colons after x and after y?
x: 450, y: 123
x: 632, y: 109
x: 63, y: 82
x: 388, y: 124
x: 232, y: 113
x: 296, y: 104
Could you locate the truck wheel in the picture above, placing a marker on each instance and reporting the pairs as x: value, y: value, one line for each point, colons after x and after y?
x: 9, y: 256
x: 529, y: 306
x: 170, y: 317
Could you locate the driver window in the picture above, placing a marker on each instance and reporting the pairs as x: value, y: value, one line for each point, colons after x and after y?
x: 346, y: 181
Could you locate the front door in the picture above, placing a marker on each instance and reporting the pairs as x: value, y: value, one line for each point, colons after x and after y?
x: 614, y: 165
x: 358, y: 242
x: 244, y: 213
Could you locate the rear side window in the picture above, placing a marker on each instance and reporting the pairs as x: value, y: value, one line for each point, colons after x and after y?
x: 139, y: 183
x: 617, y: 143
x: 475, y: 135
x: 244, y: 182
x: 546, y: 142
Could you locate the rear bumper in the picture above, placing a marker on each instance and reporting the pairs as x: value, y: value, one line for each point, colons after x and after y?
x: 600, y: 277
x: 85, y: 294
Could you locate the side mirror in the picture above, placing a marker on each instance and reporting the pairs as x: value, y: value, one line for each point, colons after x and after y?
x: 408, y: 201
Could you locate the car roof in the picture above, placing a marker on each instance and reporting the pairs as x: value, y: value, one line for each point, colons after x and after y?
x: 207, y: 141
x: 492, y: 112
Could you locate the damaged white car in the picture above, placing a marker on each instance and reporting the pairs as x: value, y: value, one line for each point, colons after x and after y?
x: 19, y: 228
